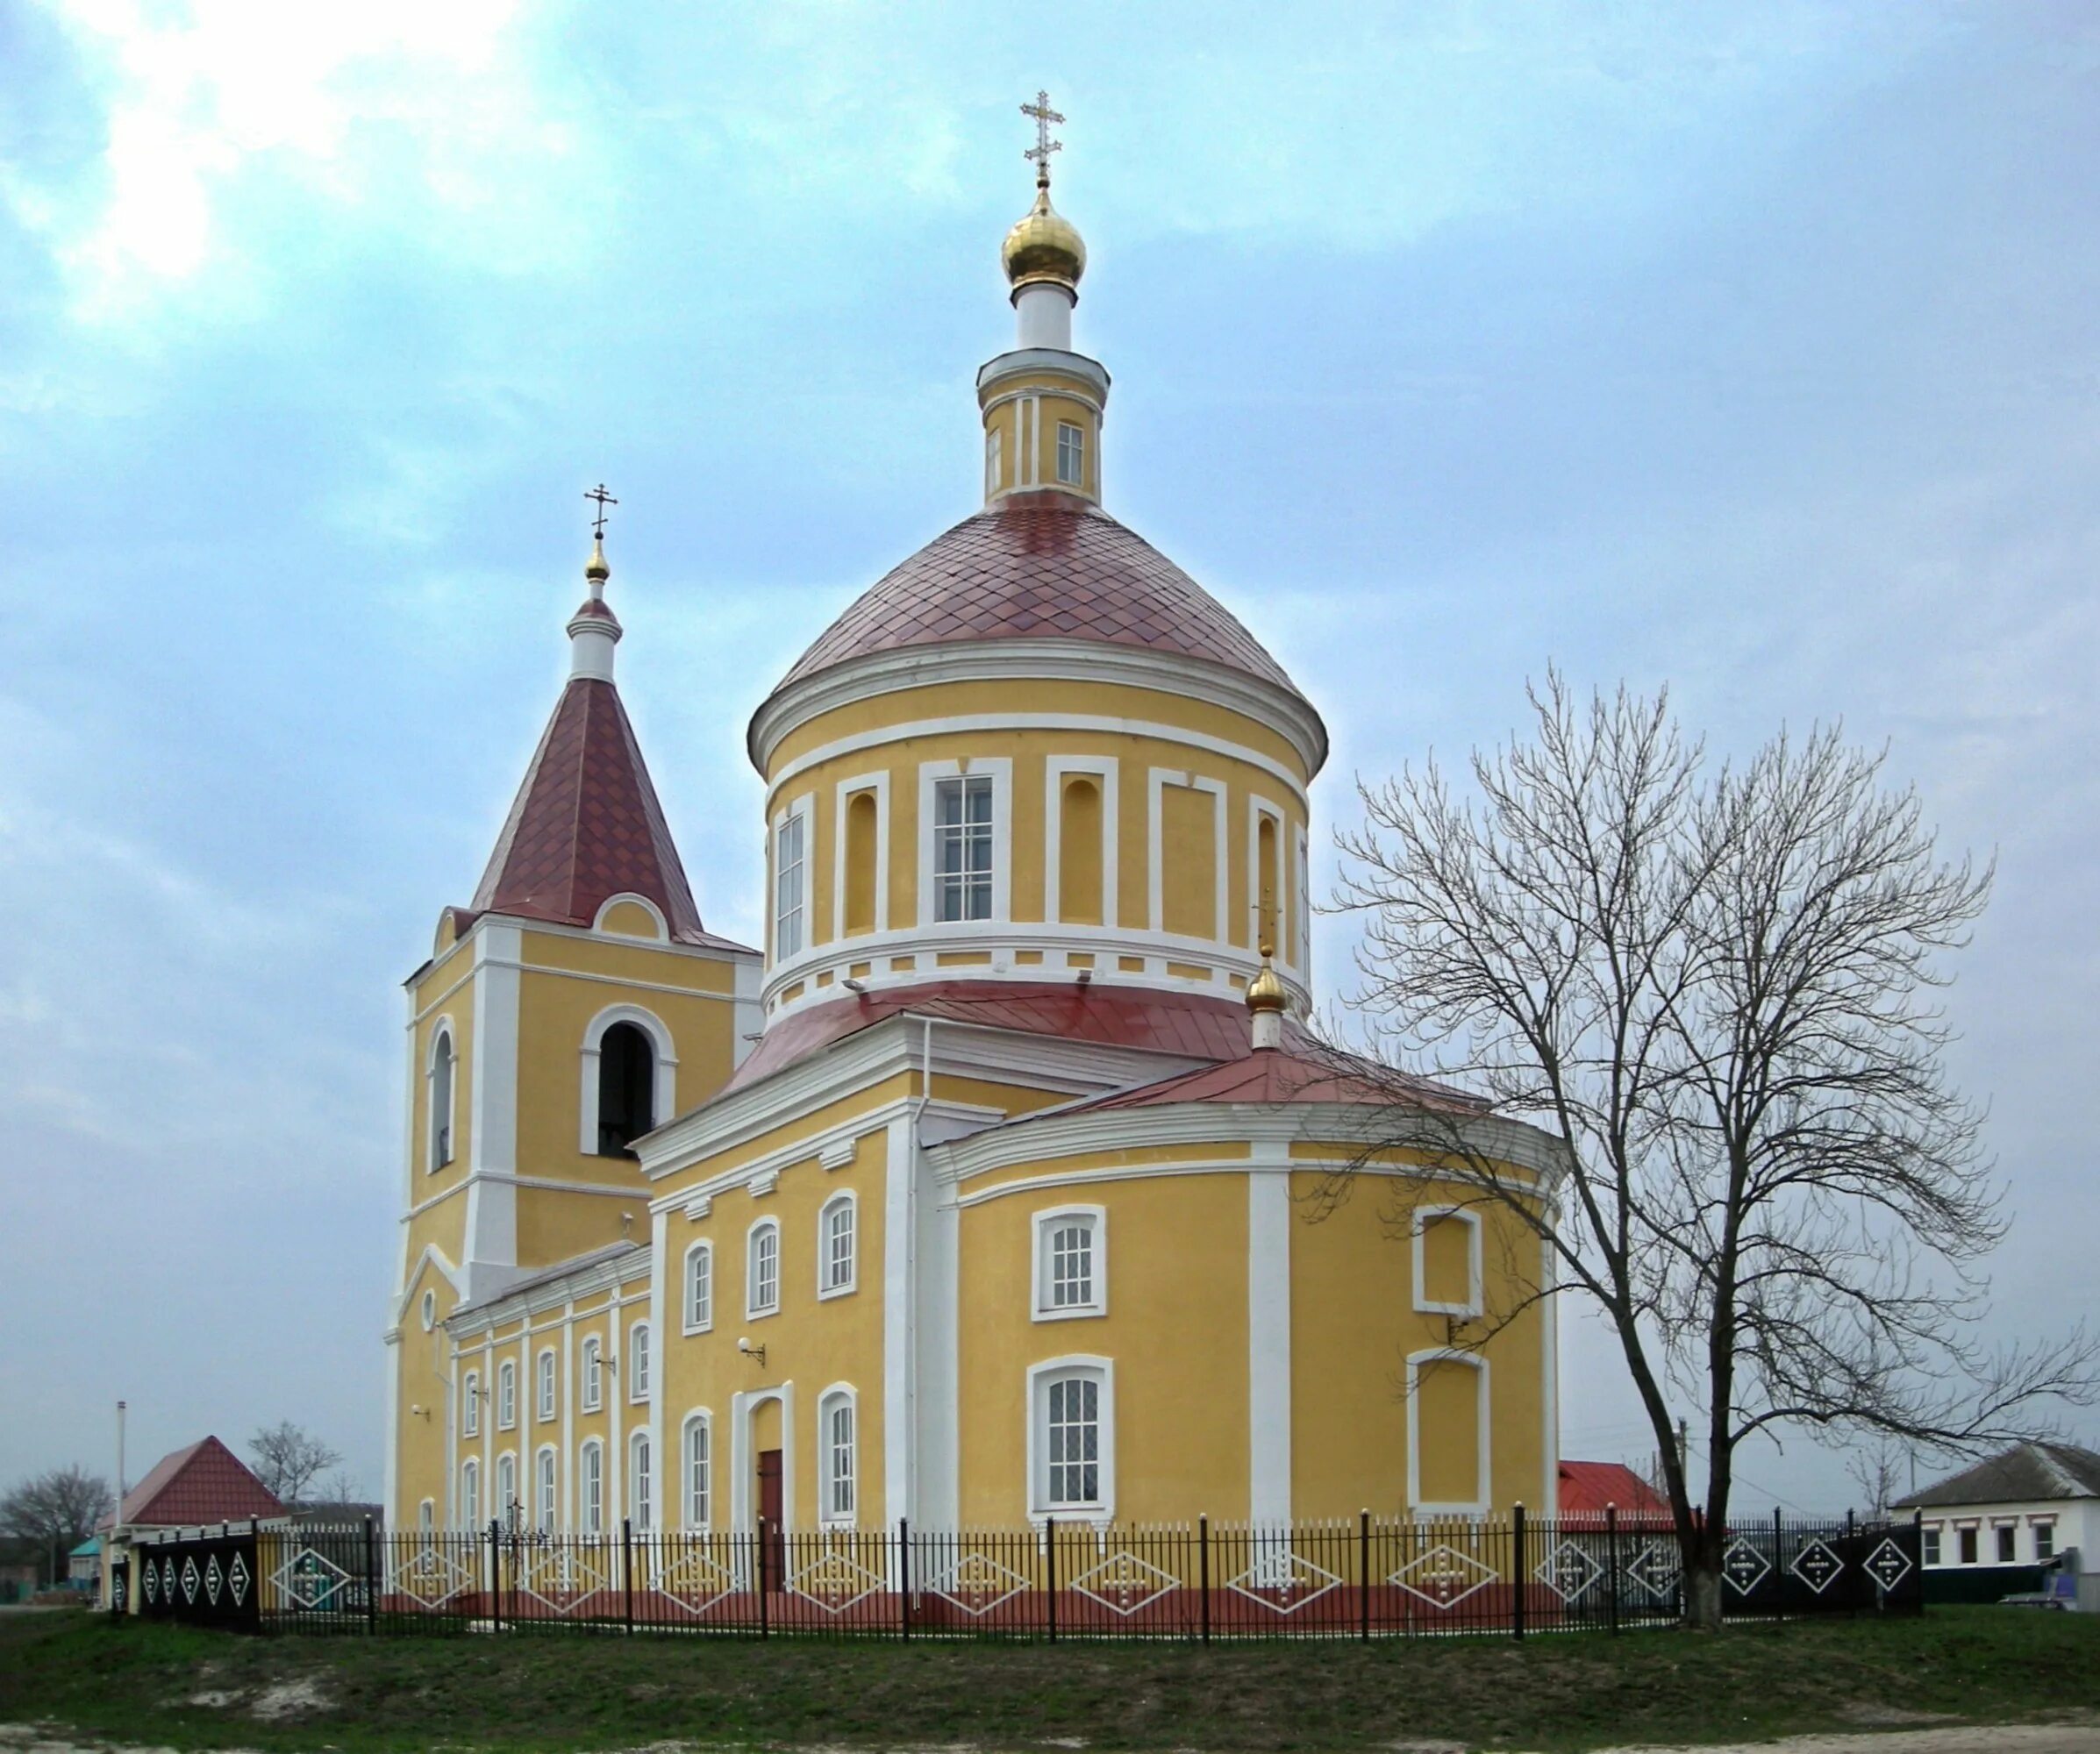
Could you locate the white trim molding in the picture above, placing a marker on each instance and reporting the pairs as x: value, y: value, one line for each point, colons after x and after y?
x: 1158, y: 780
x: 1423, y: 1217
x: 1483, y: 1487
x: 655, y: 913
x: 664, y: 1091
x: 1040, y: 1285
x: 1076, y: 1366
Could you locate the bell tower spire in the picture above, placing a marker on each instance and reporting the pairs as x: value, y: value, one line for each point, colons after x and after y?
x: 594, y: 629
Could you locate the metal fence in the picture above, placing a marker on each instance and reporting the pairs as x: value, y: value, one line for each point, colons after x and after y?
x: 1364, y: 1577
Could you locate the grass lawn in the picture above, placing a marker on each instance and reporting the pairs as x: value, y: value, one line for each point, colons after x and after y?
x: 175, y: 1686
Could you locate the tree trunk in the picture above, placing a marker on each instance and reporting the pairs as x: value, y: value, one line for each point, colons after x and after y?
x: 1703, y: 1596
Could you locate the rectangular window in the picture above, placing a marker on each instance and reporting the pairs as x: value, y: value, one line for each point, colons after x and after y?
x: 1930, y: 1537
x: 2044, y: 1542
x: 1966, y: 1540
x: 837, y: 1265
x: 700, y: 1288
x: 962, y: 848
x: 1071, y: 454
x: 594, y: 1380
x: 991, y: 462
x: 787, y: 872
x: 1074, y: 1441
x: 470, y: 1405
x: 2008, y: 1540
x: 765, y: 1270
x: 696, y: 1474
x: 1071, y: 1266
x: 638, y: 1362
x: 506, y: 1396
x: 546, y: 1386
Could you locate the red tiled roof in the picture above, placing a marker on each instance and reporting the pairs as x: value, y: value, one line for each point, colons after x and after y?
x: 205, y: 1483
x: 586, y: 824
x: 1041, y: 565
x: 1301, y: 1071
x: 1589, y: 1488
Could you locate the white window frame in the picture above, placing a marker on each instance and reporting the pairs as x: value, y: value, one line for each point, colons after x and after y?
x: 1159, y: 780
x: 1303, y: 910
x: 1040, y: 1377
x: 879, y: 784
x: 591, y: 1370
x: 434, y: 1159
x: 2040, y: 1526
x: 430, y: 1311
x: 1076, y: 450
x: 637, y: 1363
x: 664, y: 1097
x: 1931, y: 1544
x: 590, y: 1486
x: 1103, y: 770
x: 999, y: 771
x: 470, y: 1494
x: 1418, y: 1226
x: 844, y: 1201
x: 839, y: 1395
x: 1258, y: 807
x: 801, y: 810
x: 663, y: 927
x: 1484, y: 1489
x: 2005, y: 1532
x: 696, y: 1485
x: 506, y: 1395
x: 753, y: 1309
x: 994, y: 449
x: 698, y: 1320
x: 546, y: 1386
x: 641, y: 1480
x: 506, y: 1489
x: 547, y: 1486
x: 1039, y: 1284
x: 470, y: 1404
x: 426, y: 1516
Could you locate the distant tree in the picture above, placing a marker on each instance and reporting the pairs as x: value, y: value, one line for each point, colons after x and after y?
x: 289, y: 1459
x: 1714, y: 985
x: 1877, y: 1468
x: 341, y: 1487
x: 57, y: 1510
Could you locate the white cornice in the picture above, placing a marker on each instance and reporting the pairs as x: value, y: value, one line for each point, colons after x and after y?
x: 1044, y: 361
x: 1282, y: 710
x: 631, y: 1265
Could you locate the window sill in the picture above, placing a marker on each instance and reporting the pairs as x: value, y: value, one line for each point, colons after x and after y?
x: 766, y: 1314
x: 1075, y: 1312
x: 1095, y: 1516
x: 846, y: 1290
x: 1471, y: 1311
x: 706, y: 1327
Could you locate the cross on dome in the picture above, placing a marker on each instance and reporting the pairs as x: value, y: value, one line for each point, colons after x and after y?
x: 604, y: 499
x: 1038, y: 154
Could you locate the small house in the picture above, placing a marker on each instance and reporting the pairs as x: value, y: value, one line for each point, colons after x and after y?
x: 2013, y: 1524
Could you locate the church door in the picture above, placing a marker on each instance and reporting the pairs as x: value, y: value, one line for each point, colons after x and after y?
x: 772, y: 1542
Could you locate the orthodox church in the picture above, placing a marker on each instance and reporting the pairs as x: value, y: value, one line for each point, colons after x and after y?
x: 978, y: 1195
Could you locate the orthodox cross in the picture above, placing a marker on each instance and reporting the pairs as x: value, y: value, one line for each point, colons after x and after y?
x: 1040, y: 154
x: 604, y: 499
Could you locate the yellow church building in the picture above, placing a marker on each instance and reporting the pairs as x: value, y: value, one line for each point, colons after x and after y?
x: 979, y: 1196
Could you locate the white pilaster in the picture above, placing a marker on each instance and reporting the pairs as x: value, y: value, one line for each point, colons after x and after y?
x: 1268, y: 1335
x: 492, y: 1196
x: 899, y: 1319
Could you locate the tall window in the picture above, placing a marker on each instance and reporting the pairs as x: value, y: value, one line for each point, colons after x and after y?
x: 699, y: 1287
x: 1966, y: 1539
x: 991, y: 462
x: 962, y: 848
x: 762, y: 1295
x: 787, y: 885
x: 2044, y: 1542
x: 1071, y: 454
x: 638, y: 1362
x: 1070, y: 1266
x: 627, y: 1088
x: 696, y: 1443
x: 835, y: 1246
x: 835, y: 1434
x: 546, y: 1386
x: 440, y: 1099
x: 1071, y: 1441
x: 641, y: 1495
x: 470, y: 1405
x: 470, y: 1494
x: 593, y: 1376
x: 592, y: 1485
x: 506, y: 1489
x: 2008, y: 1550
x: 506, y: 1395
x: 545, y: 1512
x: 1931, y: 1543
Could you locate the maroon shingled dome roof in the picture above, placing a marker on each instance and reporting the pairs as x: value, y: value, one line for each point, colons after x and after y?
x: 1040, y: 566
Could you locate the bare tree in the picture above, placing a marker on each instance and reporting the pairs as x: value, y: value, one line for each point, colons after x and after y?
x: 1715, y: 984
x: 58, y: 1510
x: 1876, y: 1467
x: 288, y: 1460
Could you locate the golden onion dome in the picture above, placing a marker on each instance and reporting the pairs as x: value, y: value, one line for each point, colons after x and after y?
x: 1044, y: 246
x: 596, y: 567
x: 1265, y: 992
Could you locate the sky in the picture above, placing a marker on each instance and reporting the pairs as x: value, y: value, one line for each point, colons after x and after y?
x: 1747, y: 349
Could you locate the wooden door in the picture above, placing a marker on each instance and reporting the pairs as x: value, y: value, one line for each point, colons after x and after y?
x: 772, y: 1544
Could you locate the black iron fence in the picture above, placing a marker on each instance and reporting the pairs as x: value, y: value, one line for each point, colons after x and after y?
x: 1364, y: 1578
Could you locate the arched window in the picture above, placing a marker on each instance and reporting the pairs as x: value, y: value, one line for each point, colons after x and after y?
x: 1447, y: 1409
x: 506, y: 1506
x: 1079, y: 848
x: 547, y: 1385
x: 761, y: 1275
x: 506, y: 1395
x: 638, y: 1362
x: 545, y: 1513
x: 699, y: 1436
x: 835, y: 1240
x: 835, y: 1457
x: 470, y: 1404
x: 1269, y: 887
x: 640, y: 1493
x: 593, y: 1376
x: 470, y: 1494
x: 862, y: 833
x: 699, y: 1287
x: 590, y: 1482
x: 440, y: 1081
x: 627, y: 1088
x: 1072, y: 1437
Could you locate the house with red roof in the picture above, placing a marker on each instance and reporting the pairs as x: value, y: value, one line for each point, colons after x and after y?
x: 202, y: 1483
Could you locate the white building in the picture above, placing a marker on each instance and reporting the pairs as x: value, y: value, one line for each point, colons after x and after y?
x: 2035, y: 1504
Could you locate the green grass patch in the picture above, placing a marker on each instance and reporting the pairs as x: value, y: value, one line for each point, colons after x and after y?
x: 178, y: 1686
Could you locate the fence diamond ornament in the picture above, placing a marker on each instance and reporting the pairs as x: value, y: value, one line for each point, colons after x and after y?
x: 1655, y: 1569
x: 1745, y: 1566
x: 1816, y: 1565
x: 977, y: 1584
x: 1887, y: 1564
x: 308, y: 1579
x: 835, y: 1580
x: 1444, y: 1577
x: 238, y: 1579
x: 190, y: 1578
x: 213, y: 1580
x: 695, y: 1582
x: 168, y: 1579
x: 430, y: 1578
x: 1123, y: 1583
x: 1283, y: 1582
x: 152, y: 1583
x: 1568, y: 1570
x: 563, y: 1580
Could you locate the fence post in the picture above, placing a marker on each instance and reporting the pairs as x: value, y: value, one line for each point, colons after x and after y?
x: 1050, y: 1560
x: 1516, y: 1555
x: 904, y: 1577
x: 1363, y: 1574
x: 1611, y: 1561
x: 371, y: 1579
x: 628, y: 1572
x: 1779, y: 1567
x: 1203, y: 1570
x: 495, y: 1572
x: 1918, y: 1554
x: 1852, y: 1564
x: 759, y: 1570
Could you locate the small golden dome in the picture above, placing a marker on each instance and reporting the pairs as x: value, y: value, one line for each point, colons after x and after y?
x: 1044, y: 246
x: 1265, y: 992
x: 596, y: 567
